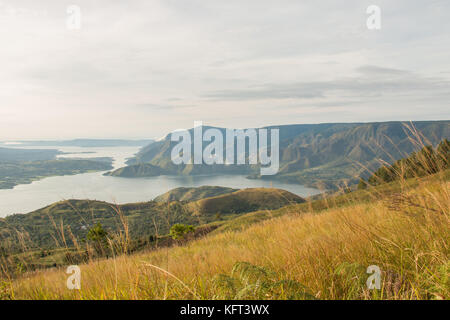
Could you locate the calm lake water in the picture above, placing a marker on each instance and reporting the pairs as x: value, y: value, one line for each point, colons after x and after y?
x: 95, y: 186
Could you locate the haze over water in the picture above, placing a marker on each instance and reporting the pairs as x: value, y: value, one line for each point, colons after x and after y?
x: 94, y: 186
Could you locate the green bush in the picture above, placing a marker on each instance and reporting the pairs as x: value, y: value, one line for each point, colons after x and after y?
x: 179, y: 231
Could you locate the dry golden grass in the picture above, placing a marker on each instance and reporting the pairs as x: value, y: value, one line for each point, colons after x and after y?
x: 327, y: 253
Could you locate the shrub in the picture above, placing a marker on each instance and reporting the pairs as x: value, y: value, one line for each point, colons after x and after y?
x: 179, y: 231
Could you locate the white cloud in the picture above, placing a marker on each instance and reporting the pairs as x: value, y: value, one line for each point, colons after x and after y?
x: 143, y: 68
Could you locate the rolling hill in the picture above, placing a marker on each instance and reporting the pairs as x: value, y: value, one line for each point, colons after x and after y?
x: 58, y: 224
x: 245, y: 200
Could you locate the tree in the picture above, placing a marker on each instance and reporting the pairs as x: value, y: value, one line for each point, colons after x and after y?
x: 98, y: 237
x: 179, y: 231
x: 425, y: 162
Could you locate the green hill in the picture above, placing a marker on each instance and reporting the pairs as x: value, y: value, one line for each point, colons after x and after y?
x: 63, y: 223
x: 245, y: 200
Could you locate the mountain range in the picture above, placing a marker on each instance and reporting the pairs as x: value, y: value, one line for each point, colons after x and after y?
x: 84, y: 143
x: 322, y: 155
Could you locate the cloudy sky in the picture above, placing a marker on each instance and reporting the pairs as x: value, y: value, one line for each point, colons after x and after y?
x: 141, y: 68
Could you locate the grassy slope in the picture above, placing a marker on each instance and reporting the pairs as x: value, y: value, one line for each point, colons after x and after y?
x: 42, y: 228
x: 321, y: 203
x: 328, y: 253
x: 244, y: 201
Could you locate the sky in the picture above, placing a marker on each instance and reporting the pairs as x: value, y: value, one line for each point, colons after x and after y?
x: 142, y: 68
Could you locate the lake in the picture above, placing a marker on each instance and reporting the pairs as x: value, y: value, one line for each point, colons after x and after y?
x: 94, y: 186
